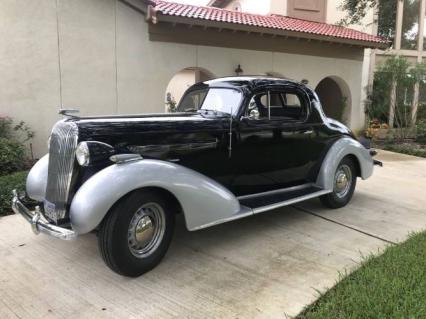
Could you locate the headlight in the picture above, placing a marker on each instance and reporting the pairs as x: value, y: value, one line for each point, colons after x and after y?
x: 92, y: 152
x: 82, y: 154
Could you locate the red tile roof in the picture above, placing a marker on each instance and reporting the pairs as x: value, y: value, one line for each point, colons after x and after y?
x: 263, y: 21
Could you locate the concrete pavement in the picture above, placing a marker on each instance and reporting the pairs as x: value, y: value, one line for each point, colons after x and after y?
x: 266, y: 266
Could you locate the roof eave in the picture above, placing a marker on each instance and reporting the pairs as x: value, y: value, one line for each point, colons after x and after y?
x: 139, y: 5
x: 220, y: 25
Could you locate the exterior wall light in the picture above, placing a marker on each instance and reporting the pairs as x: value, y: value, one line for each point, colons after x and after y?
x: 238, y: 71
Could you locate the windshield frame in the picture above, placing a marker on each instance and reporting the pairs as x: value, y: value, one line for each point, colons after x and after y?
x: 208, y: 88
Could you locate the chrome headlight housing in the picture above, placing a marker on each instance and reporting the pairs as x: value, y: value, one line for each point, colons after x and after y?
x: 82, y: 154
x: 92, y: 152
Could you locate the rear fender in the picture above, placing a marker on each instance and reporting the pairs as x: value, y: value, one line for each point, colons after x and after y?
x: 203, y: 200
x: 341, y: 148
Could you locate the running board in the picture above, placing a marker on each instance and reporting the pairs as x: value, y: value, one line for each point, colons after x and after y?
x: 270, y: 200
x: 261, y: 202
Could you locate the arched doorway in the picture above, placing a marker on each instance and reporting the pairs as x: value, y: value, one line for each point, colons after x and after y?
x: 335, y: 97
x: 181, y: 81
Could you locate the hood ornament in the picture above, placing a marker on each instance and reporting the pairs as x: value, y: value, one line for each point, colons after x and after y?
x: 68, y: 112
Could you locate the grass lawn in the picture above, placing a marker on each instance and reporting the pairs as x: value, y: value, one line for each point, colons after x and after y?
x: 392, y: 285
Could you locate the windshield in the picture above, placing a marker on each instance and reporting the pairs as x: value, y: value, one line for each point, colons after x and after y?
x: 214, y: 99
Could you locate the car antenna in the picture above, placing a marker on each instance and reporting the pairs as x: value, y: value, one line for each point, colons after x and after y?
x: 68, y: 112
x: 230, y: 137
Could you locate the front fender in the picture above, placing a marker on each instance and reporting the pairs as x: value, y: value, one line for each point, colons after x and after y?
x: 341, y: 148
x: 37, y: 179
x: 202, y: 199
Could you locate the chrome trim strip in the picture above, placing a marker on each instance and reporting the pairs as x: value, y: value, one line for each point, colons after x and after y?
x: 290, y: 201
x: 37, y: 224
x: 276, y: 191
x: 124, y: 158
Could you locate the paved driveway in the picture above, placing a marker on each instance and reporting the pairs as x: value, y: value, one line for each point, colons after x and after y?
x: 265, y: 266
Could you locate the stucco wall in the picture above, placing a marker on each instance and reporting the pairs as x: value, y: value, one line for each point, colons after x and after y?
x: 108, y: 64
x: 335, y: 15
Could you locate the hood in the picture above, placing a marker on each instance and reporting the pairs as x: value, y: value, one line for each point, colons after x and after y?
x: 148, y: 127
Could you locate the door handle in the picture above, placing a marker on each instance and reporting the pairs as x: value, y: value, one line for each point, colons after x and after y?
x: 308, y: 132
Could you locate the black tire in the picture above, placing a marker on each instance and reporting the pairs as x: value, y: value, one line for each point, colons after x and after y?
x: 335, y: 199
x: 115, y: 232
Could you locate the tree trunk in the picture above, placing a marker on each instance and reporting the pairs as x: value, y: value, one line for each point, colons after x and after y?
x: 415, y: 104
x: 392, y: 104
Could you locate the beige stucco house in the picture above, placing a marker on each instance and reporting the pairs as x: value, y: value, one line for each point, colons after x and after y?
x: 122, y: 56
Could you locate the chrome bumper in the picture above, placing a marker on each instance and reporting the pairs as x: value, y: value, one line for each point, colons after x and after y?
x: 37, y: 224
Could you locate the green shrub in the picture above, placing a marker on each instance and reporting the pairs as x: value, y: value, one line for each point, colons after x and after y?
x: 7, y: 184
x: 421, y: 131
x: 12, y: 156
x: 406, y: 149
x: 421, y: 112
x: 5, y: 126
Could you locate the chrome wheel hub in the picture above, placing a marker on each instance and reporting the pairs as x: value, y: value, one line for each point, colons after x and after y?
x: 146, y: 230
x: 342, y: 181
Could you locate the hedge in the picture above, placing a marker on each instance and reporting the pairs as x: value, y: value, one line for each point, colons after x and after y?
x: 12, y: 156
x: 7, y: 184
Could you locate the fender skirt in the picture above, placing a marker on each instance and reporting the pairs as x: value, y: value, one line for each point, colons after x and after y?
x: 203, y: 200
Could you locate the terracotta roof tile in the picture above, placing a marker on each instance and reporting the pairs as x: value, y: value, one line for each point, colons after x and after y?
x: 264, y: 21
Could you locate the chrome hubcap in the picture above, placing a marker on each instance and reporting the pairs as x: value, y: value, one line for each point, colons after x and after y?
x: 146, y: 230
x: 342, y: 181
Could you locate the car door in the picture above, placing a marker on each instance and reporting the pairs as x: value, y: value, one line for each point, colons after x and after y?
x: 275, y: 145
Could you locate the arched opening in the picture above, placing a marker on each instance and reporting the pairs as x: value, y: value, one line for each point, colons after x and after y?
x: 335, y: 97
x: 180, y: 82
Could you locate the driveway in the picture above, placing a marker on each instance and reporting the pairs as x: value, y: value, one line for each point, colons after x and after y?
x: 269, y: 265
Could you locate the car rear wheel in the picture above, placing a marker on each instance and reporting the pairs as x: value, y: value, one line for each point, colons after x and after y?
x: 344, y: 185
x: 136, y: 233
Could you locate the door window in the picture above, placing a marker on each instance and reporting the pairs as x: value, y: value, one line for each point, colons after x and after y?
x: 279, y: 105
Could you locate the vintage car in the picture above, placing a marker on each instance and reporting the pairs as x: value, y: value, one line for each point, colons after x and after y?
x: 237, y: 146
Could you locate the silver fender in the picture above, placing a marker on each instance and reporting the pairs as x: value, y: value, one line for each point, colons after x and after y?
x: 203, y: 200
x: 37, y: 179
x: 341, y: 148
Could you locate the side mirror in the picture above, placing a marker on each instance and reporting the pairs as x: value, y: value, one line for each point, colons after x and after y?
x: 254, y: 114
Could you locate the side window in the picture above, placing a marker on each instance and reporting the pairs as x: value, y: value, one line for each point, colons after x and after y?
x: 192, y: 101
x: 283, y: 105
x: 291, y: 100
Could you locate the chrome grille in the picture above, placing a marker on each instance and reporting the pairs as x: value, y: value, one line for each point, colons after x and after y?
x: 63, y: 142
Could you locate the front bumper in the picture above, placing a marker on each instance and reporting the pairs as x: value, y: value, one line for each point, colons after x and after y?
x: 38, y: 224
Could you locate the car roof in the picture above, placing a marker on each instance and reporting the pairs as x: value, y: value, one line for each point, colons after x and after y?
x: 247, y: 82
x: 252, y: 81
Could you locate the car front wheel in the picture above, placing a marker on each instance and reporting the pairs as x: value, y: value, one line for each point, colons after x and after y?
x: 343, y: 186
x: 136, y: 233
